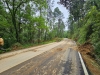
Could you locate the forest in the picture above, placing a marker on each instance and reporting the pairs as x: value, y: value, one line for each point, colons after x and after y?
x: 84, y: 23
x: 34, y: 21
x: 30, y: 22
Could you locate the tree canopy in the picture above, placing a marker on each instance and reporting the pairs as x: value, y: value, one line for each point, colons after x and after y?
x: 29, y: 21
x: 84, y: 22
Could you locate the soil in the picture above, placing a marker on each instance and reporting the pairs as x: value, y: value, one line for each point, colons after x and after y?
x: 87, y: 53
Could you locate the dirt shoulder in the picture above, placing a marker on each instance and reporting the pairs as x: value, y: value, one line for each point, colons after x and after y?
x: 13, y: 53
x: 86, y: 51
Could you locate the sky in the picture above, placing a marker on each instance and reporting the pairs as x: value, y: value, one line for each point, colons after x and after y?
x: 62, y: 9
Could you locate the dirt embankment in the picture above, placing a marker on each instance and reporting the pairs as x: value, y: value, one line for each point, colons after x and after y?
x: 87, y: 52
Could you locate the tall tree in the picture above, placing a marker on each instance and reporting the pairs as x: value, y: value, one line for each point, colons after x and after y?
x: 58, y: 15
x: 13, y: 6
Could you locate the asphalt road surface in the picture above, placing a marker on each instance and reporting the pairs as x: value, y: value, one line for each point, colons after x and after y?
x: 59, y: 58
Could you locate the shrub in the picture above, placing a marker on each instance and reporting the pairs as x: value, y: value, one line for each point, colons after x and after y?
x: 58, y: 39
x: 16, y: 46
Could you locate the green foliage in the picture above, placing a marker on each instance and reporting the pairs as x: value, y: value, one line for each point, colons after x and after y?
x: 59, y: 25
x: 97, y: 48
x: 16, y: 46
x: 58, y: 39
x: 91, y: 29
x: 25, y: 22
x: 57, y: 13
x: 84, y: 21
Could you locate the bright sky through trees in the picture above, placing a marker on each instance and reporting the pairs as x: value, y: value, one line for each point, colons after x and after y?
x: 62, y: 9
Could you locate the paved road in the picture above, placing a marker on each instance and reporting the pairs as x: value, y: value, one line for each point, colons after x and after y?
x: 54, y: 59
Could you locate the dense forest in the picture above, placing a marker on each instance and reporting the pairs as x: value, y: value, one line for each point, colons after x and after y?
x: 30, y: 21
x: 33, y: 21
x: 84, y: 22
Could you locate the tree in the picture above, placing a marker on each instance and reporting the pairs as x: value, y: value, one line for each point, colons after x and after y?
x: 58, y: 15
x: 13, y: 6
x: 83, y: 22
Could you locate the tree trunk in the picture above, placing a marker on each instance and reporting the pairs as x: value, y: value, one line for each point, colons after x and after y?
x: 16, y: 30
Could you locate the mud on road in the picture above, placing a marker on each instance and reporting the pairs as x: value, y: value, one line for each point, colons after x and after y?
x: 61, y: 60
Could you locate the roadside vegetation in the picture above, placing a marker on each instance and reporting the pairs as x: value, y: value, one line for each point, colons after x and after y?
x: 84, y: 22
x: 18, y: 46
x: 25, y: 23
x: 84, y: 26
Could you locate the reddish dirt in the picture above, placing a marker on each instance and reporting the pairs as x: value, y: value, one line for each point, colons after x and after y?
x: 87, y: 52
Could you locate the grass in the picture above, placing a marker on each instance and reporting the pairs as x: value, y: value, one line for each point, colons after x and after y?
x: 18, y: 46
x: 5, y: 50
x: 36, y: 44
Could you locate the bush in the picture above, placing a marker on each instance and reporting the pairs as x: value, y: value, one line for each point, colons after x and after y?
x: 58, y: 39
x: 16, y: 46
x: 97, y: 49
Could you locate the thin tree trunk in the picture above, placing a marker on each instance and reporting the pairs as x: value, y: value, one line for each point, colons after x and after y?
x: 16, y: 30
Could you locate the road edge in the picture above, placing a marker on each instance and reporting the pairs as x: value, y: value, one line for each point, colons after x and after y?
x: 13, y: 53
x: 83, y: 65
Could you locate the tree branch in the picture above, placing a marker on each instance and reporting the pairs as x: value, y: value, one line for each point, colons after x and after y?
x: 8, y: 6
x: 19, y: 5
x: 13, y: 7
